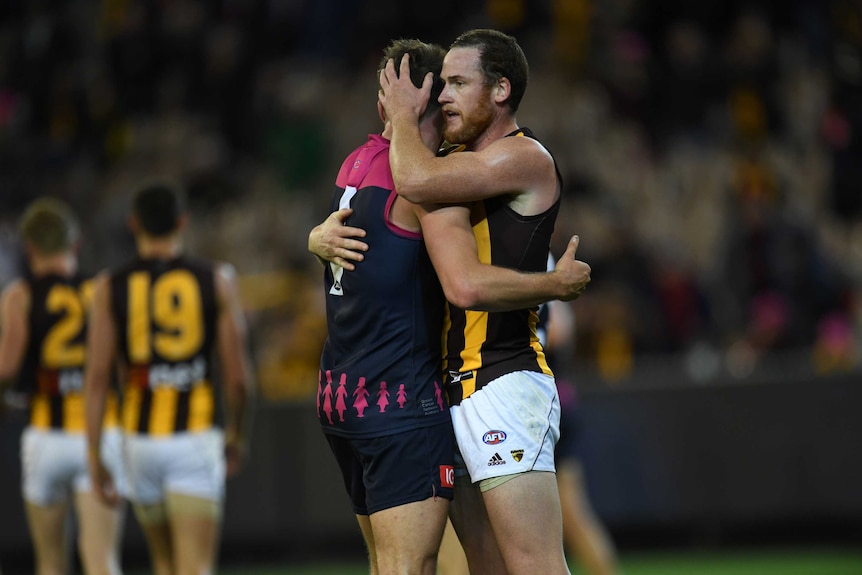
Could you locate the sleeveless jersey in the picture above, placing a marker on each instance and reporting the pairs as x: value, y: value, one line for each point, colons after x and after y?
x: 380, y: 370
x: 53, y: 370
x: 482, y: 346
x: 165, y: 312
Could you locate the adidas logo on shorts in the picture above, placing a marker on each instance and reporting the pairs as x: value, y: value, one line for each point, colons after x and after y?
x: 496, y: 460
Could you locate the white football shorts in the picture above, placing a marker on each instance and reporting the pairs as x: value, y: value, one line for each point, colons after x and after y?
x: 185, y: 463
x: 54, y: 463
x: 509, y: 426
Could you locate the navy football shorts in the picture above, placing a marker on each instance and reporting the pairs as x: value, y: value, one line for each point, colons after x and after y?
x: 384, y: 472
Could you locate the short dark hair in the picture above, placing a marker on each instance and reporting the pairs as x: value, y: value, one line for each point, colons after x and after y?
x: 158, y: 208
x: 500, y: 57
x: 424, y: 58
x: 50, y: 226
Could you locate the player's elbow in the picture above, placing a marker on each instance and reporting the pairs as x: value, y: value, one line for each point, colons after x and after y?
x: 413, y: 187
x: 462, y: 293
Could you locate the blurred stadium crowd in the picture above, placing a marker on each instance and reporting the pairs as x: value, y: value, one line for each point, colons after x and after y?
x: 712, y: 154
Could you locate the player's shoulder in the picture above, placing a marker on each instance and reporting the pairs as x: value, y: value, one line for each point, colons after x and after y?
x: 16, y: 289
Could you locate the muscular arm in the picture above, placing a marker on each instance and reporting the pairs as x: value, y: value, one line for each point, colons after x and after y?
x: 101, y: 351
x: 14, y: 331
x: 470, y: 284
x: 513, y: 167
x: 235, y: 366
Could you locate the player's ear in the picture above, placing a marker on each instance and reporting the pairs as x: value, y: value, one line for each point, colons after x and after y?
x: 381, y: 112
x: 501, y: 90
x: 133, y: 224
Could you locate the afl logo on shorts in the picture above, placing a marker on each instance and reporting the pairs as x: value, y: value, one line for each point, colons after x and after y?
x: 494, y: 437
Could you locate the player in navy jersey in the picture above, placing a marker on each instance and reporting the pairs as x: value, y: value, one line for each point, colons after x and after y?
x: 380, y: 367
x: 162, y: 320
x: 380, y: 396
x: 43, y: 322
x: 504, y: 402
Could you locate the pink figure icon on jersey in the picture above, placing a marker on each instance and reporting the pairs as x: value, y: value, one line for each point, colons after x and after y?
x: 382, y: 397
x: 438, y: 393
x: 340, y: 395
x: 361, y: 394
x: 327, y: 397
x: 401, y: 396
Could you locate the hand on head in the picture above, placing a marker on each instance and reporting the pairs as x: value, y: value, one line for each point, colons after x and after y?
x: 397, y: 93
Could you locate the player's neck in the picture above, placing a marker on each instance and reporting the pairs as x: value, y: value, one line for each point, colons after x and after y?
x: 165, y: 248
x: 501, y: 127
x: 64, y: 264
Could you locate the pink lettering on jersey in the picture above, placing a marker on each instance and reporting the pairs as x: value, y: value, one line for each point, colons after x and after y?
x: 361, y: 394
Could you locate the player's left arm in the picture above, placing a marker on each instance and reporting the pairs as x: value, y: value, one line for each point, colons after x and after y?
x: 470, y: 284
x: 14, y: 330
x: 232, y: 345
x: 334, y: 242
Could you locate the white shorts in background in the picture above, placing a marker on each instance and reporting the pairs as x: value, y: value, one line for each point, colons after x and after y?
x: 509, y: 426
x: 54, y: 463
x: 184, y: 463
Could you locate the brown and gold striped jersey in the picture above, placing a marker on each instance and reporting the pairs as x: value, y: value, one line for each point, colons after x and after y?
x: 53, y: 370
x: 481, y: 346
x: 165, y: 313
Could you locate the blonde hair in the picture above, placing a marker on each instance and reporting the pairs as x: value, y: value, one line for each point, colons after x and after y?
x: 49, y: 226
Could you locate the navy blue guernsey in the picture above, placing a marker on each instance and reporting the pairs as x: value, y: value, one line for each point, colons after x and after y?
x: 380, y: 370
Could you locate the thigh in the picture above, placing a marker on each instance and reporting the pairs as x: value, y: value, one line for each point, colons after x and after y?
x: 407, y: 537
x: 510, y: 426
x: 100, y: 529
x: 195, y: 532
x: 529, y: 536
x: 470, y: 520
x: 48, y: 531
x: 451, y: 560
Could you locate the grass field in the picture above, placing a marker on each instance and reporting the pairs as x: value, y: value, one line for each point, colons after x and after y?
x: 742, y: 562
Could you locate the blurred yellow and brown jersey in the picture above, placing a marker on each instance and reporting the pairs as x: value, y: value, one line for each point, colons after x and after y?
x: 166, y: 320
x: 52, y: 374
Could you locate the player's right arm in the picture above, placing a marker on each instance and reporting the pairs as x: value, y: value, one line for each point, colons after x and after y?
x: 101, y: 351
x: 14, y: 330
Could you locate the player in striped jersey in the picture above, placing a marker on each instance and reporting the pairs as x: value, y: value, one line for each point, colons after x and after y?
x: 162, y: 319
x: 42, y: 347
x: 504, y: 402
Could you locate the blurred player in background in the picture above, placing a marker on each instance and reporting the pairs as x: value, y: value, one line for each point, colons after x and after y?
x: 42, y: 347
x: 162, y: 318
